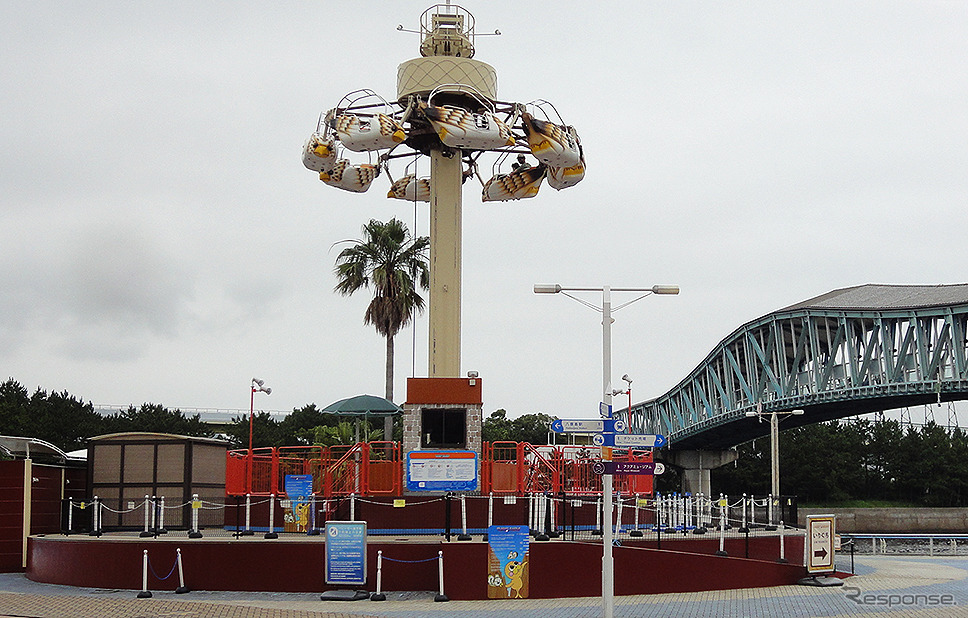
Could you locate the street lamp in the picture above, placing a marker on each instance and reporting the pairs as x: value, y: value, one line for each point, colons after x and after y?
x: 774, y: 443
x: 258, y: 386
x: 627, y: 391
x: 608, y: 579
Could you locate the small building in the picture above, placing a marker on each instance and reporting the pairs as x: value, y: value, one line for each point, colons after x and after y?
x: 35, y: 479
x: 123, y: 468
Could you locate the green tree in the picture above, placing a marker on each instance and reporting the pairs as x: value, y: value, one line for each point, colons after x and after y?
x: 299, y: 427
x: 532, y: 428
x: 497, y: 427
x: 266, y: 431
x: 156, y: 418
x: 394, y: 267
x: 14, y: 408
x: 344, y: 432
x: 59, y: 418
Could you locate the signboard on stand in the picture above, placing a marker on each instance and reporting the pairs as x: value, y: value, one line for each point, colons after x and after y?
x: 507, y: 562
x: 299, y: 491
x: 819, y: 545
x: 443, y: 470
x: 346, y: 553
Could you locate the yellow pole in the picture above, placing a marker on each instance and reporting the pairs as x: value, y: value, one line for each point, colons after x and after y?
x: 445, y: 264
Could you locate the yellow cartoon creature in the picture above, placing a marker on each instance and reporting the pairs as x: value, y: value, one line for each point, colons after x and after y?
x: 514, y: 574
x: 302, y: 516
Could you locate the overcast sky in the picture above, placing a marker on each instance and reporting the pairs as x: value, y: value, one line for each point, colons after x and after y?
x: 161, y: 240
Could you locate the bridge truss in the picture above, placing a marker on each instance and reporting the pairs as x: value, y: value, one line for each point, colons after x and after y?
x: 848, y: 352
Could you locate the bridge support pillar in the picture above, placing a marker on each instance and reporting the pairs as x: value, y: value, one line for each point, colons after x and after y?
x: 696, y: 466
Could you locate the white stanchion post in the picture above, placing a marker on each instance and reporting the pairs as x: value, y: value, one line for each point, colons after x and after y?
x: 618, y: 523
x: 70, y: 516
x: 353, y: 507
x: 154, y: 513
x: 440, y: 577
x: 271, y: 534
x: 744, y: 528
x: 689, y: 511
x: 752, y: 512
x: 463, y: 536
x: 248, y: 515
x: 182, y: 588
x: 378, y: 595
x: 147, y: 505
x: 196, y: 507
x: 313, y: 530
x: 769, y: 510
x: 598, y: 516
x: 490, y: 512
x: 782, y: 544
x: 636, y: 531
x: 532, y: 529
x: 144, y: 594
x: 96, y: 516
x: 161, y: 516
x: 722, y: 526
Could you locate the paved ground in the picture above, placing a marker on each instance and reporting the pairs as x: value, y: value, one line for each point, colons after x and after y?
x: 895, y: 586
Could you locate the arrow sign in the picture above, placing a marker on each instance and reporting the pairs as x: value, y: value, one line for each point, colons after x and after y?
x: 597, y: 425
x: 821, y: 553
x: 633, y: 467
x: 631, y: 440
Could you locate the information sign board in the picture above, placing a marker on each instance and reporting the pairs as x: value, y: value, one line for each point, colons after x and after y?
x: 507, y: 562
x: 597, y: 425
x: 819, y: 546
x: 630, y: 440
x: 346, y: 552
x: 442, y: 470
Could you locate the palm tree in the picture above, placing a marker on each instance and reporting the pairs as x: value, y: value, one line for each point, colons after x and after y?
x: 394, y: 265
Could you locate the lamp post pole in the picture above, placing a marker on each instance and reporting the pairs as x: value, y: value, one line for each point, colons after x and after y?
x: 774, y: 418
x: 608, y: 560
x: 608, y: 563
x: 257, y: 386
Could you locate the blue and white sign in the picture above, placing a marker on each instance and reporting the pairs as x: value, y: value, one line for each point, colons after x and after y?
x: 631, y: 440
x: 442, y: 471
x: 346, y: 552
x: 605, y: 409
x: 596, y: 425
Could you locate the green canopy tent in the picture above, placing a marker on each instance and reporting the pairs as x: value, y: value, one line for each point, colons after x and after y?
x: 365, y: 406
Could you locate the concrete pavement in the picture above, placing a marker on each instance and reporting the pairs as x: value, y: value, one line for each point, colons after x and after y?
x: 895, y: 586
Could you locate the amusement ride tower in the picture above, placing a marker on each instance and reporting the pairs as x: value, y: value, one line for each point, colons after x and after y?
x: 447, y: 109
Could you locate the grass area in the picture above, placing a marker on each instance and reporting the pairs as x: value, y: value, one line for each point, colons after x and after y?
x: 861, y: 504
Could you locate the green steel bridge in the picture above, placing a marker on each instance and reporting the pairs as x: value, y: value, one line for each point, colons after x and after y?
x: 851, y: 351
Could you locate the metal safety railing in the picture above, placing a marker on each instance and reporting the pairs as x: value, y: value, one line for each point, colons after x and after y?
x: 377, y: 469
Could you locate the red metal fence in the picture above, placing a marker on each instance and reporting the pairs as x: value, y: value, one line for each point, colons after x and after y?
x: 377, y: 469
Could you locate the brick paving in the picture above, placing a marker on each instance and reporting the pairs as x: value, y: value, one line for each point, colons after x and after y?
x: 896, y: 586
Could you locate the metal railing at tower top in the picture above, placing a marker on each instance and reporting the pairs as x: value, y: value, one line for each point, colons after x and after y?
x: 378, y: 469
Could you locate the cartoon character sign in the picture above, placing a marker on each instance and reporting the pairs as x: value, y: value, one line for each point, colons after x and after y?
x: 507, y: 570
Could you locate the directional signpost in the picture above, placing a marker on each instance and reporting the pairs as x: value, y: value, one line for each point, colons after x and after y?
x: 609, y: 432
x: 597, y: 425
x: 631, y: 440
x: 818, y: 550
x: 633, y: 467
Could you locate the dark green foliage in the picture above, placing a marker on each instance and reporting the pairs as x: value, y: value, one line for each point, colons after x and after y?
x: 533, y: 428
x: 835, y: 462
x: 155, y: 418
x: 58, y: 418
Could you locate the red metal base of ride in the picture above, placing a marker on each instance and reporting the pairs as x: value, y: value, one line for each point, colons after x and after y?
x: 558, y: 569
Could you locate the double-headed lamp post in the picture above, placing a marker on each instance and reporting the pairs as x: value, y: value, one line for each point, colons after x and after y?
x: 608, y: 575
x: 258, y: 386
x: 774, y: 443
